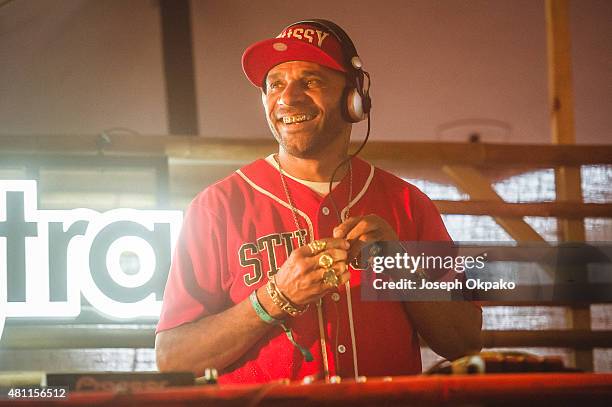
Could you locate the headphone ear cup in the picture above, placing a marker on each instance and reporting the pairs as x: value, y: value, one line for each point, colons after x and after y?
x: 353, y: 105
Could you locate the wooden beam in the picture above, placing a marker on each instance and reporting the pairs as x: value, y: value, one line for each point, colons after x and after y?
x: 219, y: 150
x: 579, y: 318
x: 179, y: 73
x: 470, y: 181
x: 568, y: 188
x: 558, y: 209
x: 575, y: 339
x: 142, y: 336
x: 561, y: 99
x: 77, y: 336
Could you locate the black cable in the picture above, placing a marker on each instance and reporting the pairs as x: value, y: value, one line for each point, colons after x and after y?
x: 351, y: 156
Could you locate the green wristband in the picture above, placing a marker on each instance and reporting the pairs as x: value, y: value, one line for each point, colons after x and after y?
x: 269, y: 319
x: 261, y: 312
x: 305, y: 352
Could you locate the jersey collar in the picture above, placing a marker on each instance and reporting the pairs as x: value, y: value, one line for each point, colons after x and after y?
x: 266, y: 177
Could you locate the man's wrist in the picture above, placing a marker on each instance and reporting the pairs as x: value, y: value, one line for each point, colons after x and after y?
x: 281, y: 301
x: 261, y: 312
x: 266, y: 302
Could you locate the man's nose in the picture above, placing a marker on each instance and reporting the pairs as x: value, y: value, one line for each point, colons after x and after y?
x: 293, y: 94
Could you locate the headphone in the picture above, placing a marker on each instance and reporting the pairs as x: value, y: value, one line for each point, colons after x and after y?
x: 356, y: 103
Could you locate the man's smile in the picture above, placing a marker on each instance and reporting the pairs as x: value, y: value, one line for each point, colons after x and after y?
x: 297, y: 118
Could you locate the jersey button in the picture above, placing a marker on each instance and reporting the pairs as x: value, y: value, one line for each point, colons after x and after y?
x: 325, y: 210
x: 335, y: 297
x: 341, y: 348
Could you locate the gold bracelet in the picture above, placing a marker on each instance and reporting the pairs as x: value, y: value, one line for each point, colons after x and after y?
x: 279, y: 299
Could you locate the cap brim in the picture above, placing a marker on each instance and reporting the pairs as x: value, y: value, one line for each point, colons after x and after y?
x: 262, y: 56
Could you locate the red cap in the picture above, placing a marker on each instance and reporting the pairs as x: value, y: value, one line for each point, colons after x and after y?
x: 301, y: 42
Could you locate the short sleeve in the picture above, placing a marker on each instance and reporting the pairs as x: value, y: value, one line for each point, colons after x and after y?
x: 430, y: 225
x: 195, y: 286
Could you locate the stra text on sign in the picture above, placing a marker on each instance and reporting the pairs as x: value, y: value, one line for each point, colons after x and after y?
x: 50, y: 258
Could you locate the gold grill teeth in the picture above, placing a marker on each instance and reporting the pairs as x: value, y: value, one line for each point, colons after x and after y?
x: 295, y: 119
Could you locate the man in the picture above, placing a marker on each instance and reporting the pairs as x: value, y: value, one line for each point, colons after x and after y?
x: 261, y: 286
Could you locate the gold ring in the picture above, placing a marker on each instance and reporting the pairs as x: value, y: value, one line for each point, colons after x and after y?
x: 330, y: 278
x: 326, y: 261
x: 317, y: 246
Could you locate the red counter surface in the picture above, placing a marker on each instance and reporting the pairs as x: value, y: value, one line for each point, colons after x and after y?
x: 500, y: 389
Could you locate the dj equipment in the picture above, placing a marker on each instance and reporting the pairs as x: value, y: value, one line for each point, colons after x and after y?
x: 119, y: 382
x: 501, y: 362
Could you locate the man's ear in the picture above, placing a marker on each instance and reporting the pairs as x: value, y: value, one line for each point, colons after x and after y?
x: 263, y: 98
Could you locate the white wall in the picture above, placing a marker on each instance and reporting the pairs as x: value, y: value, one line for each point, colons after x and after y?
x: 81, y: 66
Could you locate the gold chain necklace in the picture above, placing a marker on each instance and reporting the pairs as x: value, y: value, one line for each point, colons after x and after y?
x: 301, y: 239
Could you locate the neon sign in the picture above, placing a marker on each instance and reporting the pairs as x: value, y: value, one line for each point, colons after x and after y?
x: 49, y: 258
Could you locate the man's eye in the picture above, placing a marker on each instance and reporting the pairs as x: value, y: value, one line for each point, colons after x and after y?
x: 311, y: 83
x: 274, y: 85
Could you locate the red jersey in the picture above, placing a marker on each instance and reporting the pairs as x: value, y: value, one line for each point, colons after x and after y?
x: 240, y: 230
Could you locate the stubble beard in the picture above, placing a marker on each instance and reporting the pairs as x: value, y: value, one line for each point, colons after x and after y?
x: 309, y: 145
x: 302, y: 148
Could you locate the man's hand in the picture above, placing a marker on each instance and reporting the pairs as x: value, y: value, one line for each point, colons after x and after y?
x: 300, y: 278
x: 211, y: 341
x: 451, y: 329
x: 362, y: 230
